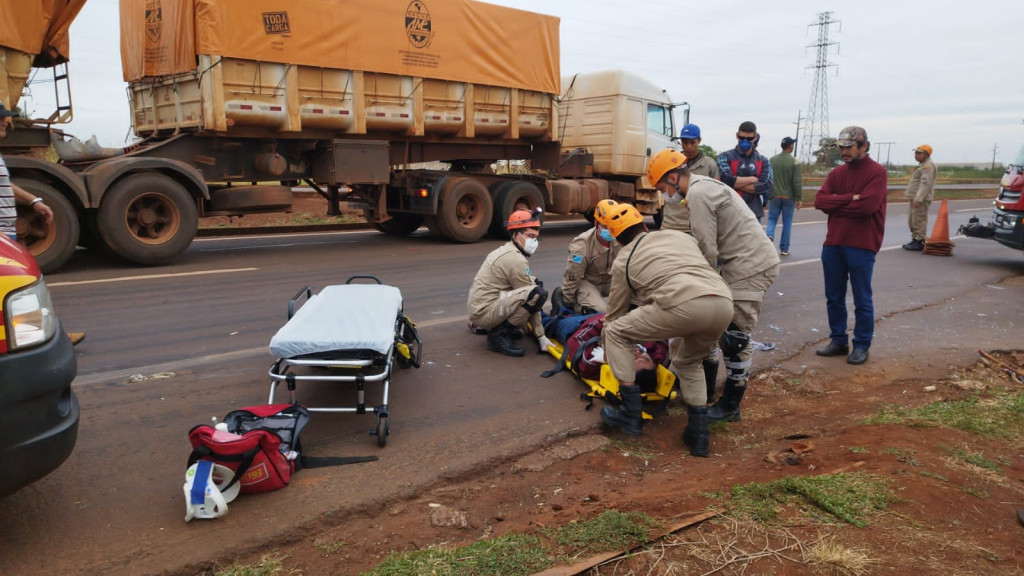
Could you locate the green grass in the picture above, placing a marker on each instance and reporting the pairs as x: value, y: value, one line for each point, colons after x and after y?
x: 975, y: 458
x: 1000, y: 415
x: 509, y: 555
x: 612, y: 530
x: 849, y: 497
x: 523, y: 554
x: 268, y: 565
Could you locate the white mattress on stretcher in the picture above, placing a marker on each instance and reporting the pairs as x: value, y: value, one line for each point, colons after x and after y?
x: 341, y: 318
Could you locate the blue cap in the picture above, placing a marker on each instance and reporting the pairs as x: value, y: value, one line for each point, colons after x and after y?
x: 690, y: 132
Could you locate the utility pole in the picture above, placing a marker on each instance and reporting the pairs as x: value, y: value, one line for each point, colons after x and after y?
x: 995, y: 148
x: 888, y: 148
x: 817, y: 125
x: 797, y: 137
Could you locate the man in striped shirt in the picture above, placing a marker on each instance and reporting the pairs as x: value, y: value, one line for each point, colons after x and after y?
x: 11, y: 195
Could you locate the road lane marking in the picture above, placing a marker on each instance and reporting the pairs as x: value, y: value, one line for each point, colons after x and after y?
x: 149, y: 277
x: 260, y: 353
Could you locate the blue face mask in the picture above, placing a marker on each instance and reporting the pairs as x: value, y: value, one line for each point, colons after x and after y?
x: 746, y: 145
x: 606, y: 235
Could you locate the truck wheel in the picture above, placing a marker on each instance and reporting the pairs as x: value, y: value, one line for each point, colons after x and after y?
x: 511, y: 197
x: 400, y: 224
x: 464, y: 211
x: 148, y: 218
x: 51, y: 245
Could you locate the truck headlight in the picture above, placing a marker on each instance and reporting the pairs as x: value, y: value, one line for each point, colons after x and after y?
x: 29, y: 317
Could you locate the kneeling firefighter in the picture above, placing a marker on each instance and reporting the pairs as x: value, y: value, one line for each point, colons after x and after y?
x: 684, y: 297
x: 504, y: 295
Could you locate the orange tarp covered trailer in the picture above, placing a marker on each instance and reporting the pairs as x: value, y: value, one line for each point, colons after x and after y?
x: 32, y: 33
x: 458, y: 40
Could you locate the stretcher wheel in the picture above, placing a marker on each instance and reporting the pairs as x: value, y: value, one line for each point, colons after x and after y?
x: 382, y: 431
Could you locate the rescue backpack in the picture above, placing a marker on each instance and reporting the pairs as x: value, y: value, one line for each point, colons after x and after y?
x: 261, y: 445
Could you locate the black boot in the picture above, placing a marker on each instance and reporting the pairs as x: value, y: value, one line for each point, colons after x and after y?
x: 710, y: 377
x: 629, y: 416
x: 697, y: 434
x: 501, y: 339
x: 728, y: 406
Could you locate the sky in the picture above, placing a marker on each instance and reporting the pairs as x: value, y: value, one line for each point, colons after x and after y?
x: 942, y: 73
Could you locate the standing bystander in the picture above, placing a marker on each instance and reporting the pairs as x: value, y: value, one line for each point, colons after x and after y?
x: 920, y: 192
x: 787, y: 190
x: 745, y: 170
x: 853, y: 196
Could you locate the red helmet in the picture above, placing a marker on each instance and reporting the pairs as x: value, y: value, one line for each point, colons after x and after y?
x: 523, y: 219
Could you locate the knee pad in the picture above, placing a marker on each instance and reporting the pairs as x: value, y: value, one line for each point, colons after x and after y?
x: 733, y: 341
x: 535, y: 299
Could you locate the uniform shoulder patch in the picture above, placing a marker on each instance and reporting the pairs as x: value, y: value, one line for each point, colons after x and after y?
x: 577, y: 259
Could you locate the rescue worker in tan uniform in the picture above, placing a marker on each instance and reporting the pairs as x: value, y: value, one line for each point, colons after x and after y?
x: 504, y: 295
x: 731, y: 238
x: 684, y: 297
x: 920, y: 192
x: 588, y: 274
x: 676, y: 215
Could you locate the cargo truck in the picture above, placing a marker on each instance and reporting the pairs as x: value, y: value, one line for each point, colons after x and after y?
x: 1007, y: 224
x: 234, y: 102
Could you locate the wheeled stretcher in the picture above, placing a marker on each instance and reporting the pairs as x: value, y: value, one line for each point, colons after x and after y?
x: 350, y: 333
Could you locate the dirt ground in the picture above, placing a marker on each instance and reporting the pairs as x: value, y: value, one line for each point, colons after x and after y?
x: 950, y: 517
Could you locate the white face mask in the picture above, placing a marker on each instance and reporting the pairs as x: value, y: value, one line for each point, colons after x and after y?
x: 530, y: 245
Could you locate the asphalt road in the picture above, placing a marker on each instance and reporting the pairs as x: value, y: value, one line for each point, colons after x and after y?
x: 170, y: 347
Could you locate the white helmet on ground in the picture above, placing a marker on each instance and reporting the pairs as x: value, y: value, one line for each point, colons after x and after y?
x: 206, y: 495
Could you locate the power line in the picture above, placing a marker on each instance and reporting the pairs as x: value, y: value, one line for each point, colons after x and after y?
x: 817, y: 116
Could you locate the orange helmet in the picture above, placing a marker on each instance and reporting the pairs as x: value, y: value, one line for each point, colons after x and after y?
x: 523, y: 219
x: 624, y: 216
x: 664, y: 162
x: 604, y: 210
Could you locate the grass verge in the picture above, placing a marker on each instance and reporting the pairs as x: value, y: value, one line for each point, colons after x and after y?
x: 849, y: 497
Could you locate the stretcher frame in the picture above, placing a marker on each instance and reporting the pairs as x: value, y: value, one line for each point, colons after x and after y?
x: 359, y: 366
x: 607, y: 387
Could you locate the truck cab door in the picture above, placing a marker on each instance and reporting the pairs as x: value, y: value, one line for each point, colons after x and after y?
x: 660, y: 132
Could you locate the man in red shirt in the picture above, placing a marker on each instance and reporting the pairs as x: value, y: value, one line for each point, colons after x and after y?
x: 853, y: 196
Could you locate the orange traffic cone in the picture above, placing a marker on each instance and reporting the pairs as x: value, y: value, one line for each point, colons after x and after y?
x: 939, y: 244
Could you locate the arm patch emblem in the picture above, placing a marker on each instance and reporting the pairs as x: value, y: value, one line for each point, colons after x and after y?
x: 577, y: 259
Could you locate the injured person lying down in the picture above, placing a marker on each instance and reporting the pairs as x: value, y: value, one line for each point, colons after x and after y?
x: 580, y: 336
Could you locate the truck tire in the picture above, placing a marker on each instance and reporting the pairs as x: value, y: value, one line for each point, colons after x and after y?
x: 513, y: 196
x: 147, y: 218
x: 52, y: 246
x: 400, y: 224
x: 464, y: 211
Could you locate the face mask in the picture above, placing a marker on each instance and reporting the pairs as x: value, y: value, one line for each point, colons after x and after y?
x: 530, y: 245
x: 746, y: 145
x: 606, y: 235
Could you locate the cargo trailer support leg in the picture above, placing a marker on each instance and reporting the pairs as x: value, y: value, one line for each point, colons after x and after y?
x: 333, y: 206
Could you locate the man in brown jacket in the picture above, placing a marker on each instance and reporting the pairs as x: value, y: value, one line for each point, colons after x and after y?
x: 920, y: 192
x: 504, y: 295
x: 731, y: 238
x: 684, y: 298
